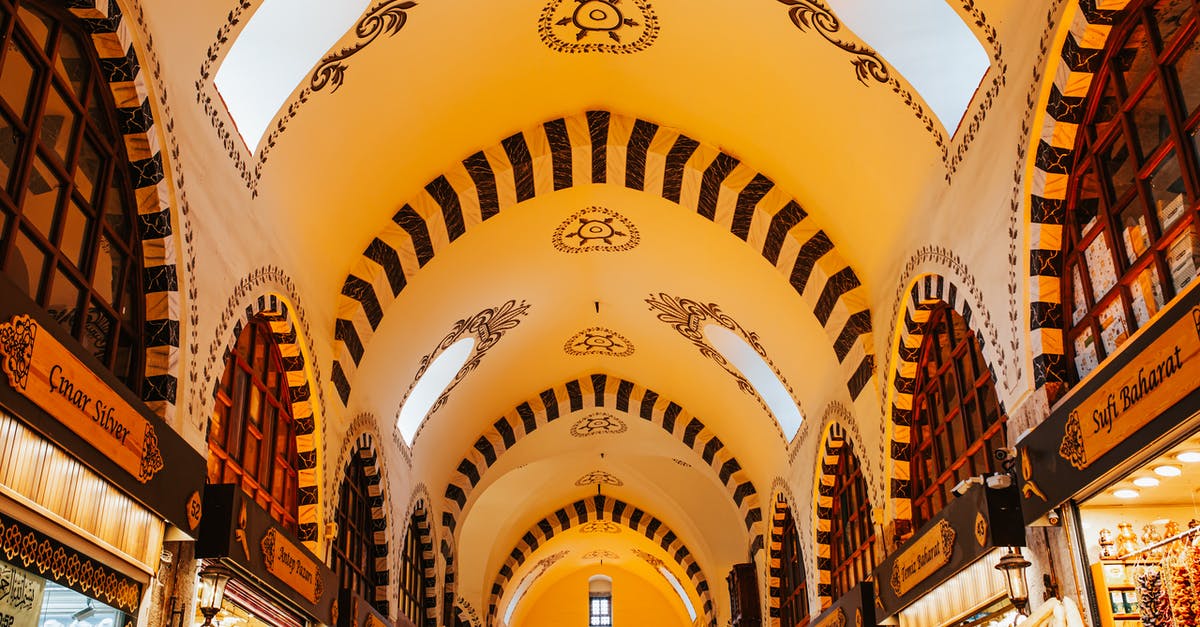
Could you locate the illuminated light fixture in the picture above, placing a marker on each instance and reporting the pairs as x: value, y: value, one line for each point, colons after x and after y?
x: 761, y: 376
x: 1013, y: 565
x: 1167, y: 470
x: 1146, y: 482
x: 1126, y: 493
x: 429, y: 387
x: 274, y: 54
x: 212, y: 591
x: 1188, y: 457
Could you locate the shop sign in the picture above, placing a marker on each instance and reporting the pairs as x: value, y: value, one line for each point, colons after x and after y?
x: 858, y: 602
x: 1159, y: 376
x: 836, y: 619
x: 295, y: 569
x: 20, y: 597
x: 47, y: 373
x: 923, y: 557
x: 45, y: 556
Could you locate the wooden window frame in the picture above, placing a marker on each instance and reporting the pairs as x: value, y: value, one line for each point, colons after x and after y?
x: 108, y: 321
x: 953, y: 382
x: 1119, y: 202
x: 254, y: 369
x: 793, y: 585
x: 596, y: 616
x: 352, y: 554
x: 412, y: 576
x: 852, y: 534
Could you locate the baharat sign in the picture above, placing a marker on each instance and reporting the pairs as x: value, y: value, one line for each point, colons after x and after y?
x: 923, y: 557
x: 47, y: 373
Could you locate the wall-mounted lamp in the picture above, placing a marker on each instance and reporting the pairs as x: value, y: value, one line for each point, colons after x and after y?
x: 212, y: 591
x: 1013, y: 565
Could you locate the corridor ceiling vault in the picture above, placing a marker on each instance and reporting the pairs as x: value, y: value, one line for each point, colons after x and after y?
x: 581, y: 188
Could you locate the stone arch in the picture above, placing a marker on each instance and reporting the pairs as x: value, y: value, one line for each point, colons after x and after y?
x: 603, y: 147
x: 279, y: 316
x: 602, y: 391
x: 1079, y: 60
x: 597, y: 508
x: 419, y: 517
x: 781, y: 505
x: 111, y: 32
x: 364, y: 447
x: 834, y: 439
x: 926, y: 292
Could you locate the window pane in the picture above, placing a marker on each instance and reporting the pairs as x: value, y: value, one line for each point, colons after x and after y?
x: 16, y: 79
x: 63, y: 301
x: 1187, y: 70
x: 1135, y: 237
x: 37, y: 23
x: 58, y: 125
x: 42, y: 196
x: 74, y: 235
x: 1136, y: 60
x: 97, y: 331
x: 1118, y: 167
x: 1150, y: 119
x: 26, y: 264
x: 87, y: 169
x: 1166, y: 187
x: 109, y: 265
x: 72, y: 66
x: 1168, y: 15
x: 9, y: 149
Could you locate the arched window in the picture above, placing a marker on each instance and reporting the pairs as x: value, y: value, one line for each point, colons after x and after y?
x: 852, y: 530
x: 600, y: 607
x: 68, y: 218
x: 1130, y: 242
x: 956, y: 418
x: 793, y: 592
x: 353, y: 554
x: 252, y: 438
x: 412, y: 576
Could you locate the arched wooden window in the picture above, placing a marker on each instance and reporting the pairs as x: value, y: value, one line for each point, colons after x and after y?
x: 1131, y: 241
x: 793, y: 590
x: 252, y: 437
x: 68, y: 218
x: 353, y: 554
x: 852, y: 530
x: 412, y: 576
x: 956, y: 418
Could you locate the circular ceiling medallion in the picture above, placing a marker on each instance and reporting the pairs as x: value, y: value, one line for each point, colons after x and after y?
x: 596, y: 229
x: 609, y: 26
x: 601, y: 526
x: 597, y: 423
x: 597, y: 477
x: 601, y: 554
x: 598, y: 341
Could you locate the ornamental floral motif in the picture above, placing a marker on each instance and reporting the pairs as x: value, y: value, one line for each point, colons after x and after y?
x: 601, y: 526
x: 16, y: 344
x: 598, y: 423
x: 649, y: 558
x: 1071, y: 448
x: 596, y: 229
x: 598, y: 341
x: 611, y: 26
x: 598, y: 477
x: 601, y: 554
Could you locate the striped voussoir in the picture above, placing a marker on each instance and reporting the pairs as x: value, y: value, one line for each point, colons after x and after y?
x: 928, y: 291
x: 421, y: 521
x: 614, y: 510
x: 590, y: 392
x: 1082, y: 54
x: 603, y: 147
x: 364, y: 448
x: 779, y: 512
x: 830, y: 451
x: 274, y: 312
x: 448, y: 582
x: 111, y: 36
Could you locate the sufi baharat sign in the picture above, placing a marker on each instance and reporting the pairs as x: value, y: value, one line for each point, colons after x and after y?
x: 48, y: 374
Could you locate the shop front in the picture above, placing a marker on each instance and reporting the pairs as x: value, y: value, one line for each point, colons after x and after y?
x: 254, y: 572
x: 1117, y: 463
x: 91, y: 481
x: 951, y: 572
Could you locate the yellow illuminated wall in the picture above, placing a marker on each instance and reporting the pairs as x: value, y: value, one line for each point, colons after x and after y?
x: 636, y: 601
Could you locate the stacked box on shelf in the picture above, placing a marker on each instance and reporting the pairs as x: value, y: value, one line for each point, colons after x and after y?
x: 1183, y: 257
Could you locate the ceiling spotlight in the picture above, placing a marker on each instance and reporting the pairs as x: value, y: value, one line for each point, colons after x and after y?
x: 1167, y: 470
x: 1188, y: 457
x: 1126, y: 493
x: 1146, y: 482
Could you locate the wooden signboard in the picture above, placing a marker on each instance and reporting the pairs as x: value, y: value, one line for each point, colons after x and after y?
x: 923, y: 557
x: 856, y: 608
x: 292, y: 566
x: 1136, y: 397
x: 43, y: 370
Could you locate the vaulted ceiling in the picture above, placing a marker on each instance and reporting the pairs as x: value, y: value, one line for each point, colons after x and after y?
x: 583, y: 205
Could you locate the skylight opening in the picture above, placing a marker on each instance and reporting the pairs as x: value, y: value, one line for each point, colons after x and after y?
x: 430, y: 386
x: 928, y: 43
x: 761, y: 376
x: 687, y: 602
x: 516, y: 600
x: 274, y: 53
